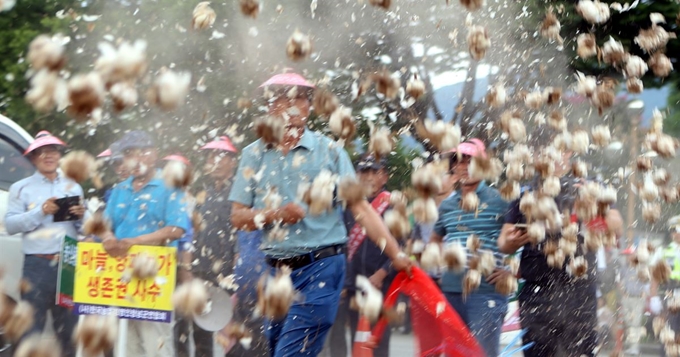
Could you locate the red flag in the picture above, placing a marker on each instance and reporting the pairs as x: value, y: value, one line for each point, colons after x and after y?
x: 437, y: 327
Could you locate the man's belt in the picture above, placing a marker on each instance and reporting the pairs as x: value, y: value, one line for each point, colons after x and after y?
x: 54, y: 256
x: 301, y: 261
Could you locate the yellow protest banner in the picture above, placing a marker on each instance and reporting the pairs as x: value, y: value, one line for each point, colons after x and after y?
x: 104, y: 284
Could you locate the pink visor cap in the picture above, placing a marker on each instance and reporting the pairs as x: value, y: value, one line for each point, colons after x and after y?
x: 44, y: 138
x: 473, y: 147
x: 179, y: 158
x: 222, y: 143
x: 287, y: 79
x: 105, y: 153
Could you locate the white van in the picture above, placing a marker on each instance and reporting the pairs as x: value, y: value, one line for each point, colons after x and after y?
x: 13, y: 167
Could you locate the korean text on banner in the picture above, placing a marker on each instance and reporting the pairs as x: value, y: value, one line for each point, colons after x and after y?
x: 105, y: 284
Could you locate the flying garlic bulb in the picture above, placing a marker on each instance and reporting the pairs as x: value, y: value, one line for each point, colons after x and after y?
x: 341, y: 123
x: 653, y: 38
x: 144, y: 266
x: 603, y: 98
x: 514, y: 171
x: 96, y: 334
x: 443, y: 135
x: 569, y: 245
x: 250, y: 8
x: 470, y: 202
x: 415, y: 87
x: 319, y: 197
x: 634, y: 85
x: 425, y: 210
x: 510, y: 190
x: 496, y: 96
x: 169, y: 89
x: 661, y: 65
x: 86, y: 93
x: 651, y: 212
x: 472, y: 5
x: 594, y: 12
x: 270, y: 129
x: 517, y: 131
x: 431, y: 259
x: 19, y: 321
x: 427, y: 181
x: 660, y: 177
x: 478, y: 42
x: 550, y: 28
x: 485, y: 168
x: 601, y: 135
x: 123, y: 95
x: 643, y: 163
x: 38, y: 345
x: 47, y: 91
x: 275, y: 294
x: 368, y: 298
x: 203, y: 16
x: 660, y: 271
x: 536, y: 232
x: 126, y: 63
x: 587, y: 46
x: 397, y: 224
x: 613, y: 52
x: 45, y: 52
x: 487, y: 263
x: 473, y: 243
x: 635, y: 67
x: 585, y: 85
x: 536, y: 99
x: 506, y: 285
x: 381, y: 142
x: 551, y: 186
x: 578, y: 267
x: 386, y: 84
x: 557, y: 120
x: 78, y: 165
x: 324, y: 102
x: 471, y: 281
x: 454, y: 256
x: 299, y: 46
x: 385, y: 4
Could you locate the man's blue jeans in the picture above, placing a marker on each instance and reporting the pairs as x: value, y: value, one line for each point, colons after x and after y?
x: 303, y: 331
x: 483, y: 314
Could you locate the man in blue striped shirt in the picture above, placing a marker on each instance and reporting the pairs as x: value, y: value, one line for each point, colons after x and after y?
x: 483, y: 310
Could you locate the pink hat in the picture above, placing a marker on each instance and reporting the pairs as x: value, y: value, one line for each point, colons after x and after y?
x: 222, y: 143
x: 287, y: 79
x: 179, y: 158
x: 44, y: 138
x: 472, y: 147
x: 105, y: 153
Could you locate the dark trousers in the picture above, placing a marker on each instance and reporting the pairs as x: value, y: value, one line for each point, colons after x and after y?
x: 337, y: 338
x: 203, y: 340
x: 559, y: 322
x: 41, y: 274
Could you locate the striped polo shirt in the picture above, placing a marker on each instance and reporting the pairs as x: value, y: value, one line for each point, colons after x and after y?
x: 455, y: 225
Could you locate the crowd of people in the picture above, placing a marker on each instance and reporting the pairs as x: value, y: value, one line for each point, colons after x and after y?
x: 239, y: 235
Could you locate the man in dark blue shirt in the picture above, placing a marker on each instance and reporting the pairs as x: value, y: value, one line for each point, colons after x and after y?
x: 558, y: 311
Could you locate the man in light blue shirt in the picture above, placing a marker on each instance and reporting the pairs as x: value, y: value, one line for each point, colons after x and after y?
x: 143, y: 211
x: 311, y: 245
x: 30, y: 212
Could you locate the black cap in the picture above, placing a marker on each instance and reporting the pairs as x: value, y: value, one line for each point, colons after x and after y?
x: 135, y: 139
x: 369, y: 162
